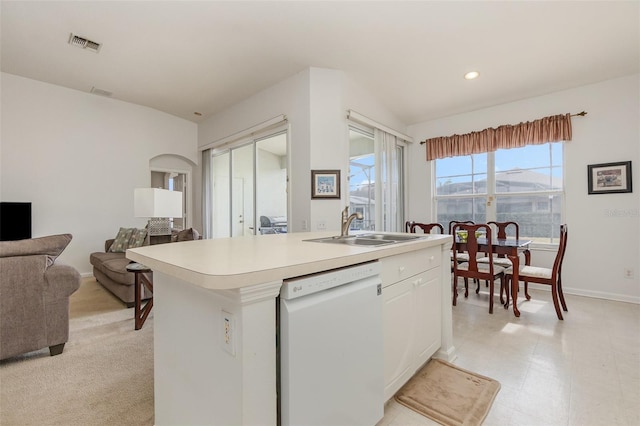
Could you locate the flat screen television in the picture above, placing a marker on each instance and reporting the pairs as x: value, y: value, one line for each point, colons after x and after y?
x: 15, y: 221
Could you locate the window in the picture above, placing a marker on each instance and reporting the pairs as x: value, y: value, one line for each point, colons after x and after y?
x: 362, y: 176
x: 523, y: 185
x: 376, y: 179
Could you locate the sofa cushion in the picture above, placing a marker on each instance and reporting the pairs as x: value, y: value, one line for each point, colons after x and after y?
x: 50, y: 246
x: 98, y: 257
x: 121, y: 241
x: 114, y: 266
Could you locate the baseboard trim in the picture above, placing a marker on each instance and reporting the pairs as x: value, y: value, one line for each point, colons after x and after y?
x: 590, y: 293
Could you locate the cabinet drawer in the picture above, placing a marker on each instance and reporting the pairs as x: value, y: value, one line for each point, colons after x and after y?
x: 402, y: 266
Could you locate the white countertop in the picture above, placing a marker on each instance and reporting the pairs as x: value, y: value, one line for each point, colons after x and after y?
x: 231, y: 263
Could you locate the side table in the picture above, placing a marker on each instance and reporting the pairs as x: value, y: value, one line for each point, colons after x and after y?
x: 143, y: 277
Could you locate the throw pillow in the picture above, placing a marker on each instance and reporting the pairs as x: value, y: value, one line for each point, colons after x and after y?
x: 121, y: 241
x: 137, y: 239
x: 51, y: 246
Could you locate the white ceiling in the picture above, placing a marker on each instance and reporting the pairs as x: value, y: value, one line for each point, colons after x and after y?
x: 181, y: 57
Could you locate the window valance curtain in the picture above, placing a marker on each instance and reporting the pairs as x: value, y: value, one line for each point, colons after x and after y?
x: 554, y: 128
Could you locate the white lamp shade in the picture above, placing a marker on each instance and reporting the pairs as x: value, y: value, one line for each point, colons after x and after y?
x: 155, y: 202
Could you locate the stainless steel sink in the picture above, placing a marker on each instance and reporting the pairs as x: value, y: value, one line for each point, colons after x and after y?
x: 367, y: 239
x: 386, y: 237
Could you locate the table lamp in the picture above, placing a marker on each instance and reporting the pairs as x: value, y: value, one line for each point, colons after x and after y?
x: 159, y: 205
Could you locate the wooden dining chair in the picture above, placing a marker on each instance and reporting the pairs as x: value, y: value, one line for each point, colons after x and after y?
x: 462, y: 257
x: 504, y: 230
x: 455, y: 222
x: 473, y: 269
x: 426, y: 228
x: 407, y: 226
x: 549, y: 276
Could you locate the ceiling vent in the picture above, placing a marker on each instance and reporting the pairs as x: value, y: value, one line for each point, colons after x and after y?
x: 83, y: 43
x: 100, y: 92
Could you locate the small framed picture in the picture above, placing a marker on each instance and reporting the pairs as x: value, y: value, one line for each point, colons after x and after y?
x: 325, y: 183
x: 609, y: 178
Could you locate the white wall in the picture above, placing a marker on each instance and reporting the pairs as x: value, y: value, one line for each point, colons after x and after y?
x: 603, y: 229
x: 315, y: 102
x: 77, y: 157
x: 329, y: 142
x: 289, y: 97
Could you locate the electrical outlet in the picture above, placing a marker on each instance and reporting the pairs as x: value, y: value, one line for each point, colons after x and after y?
x: 628, y: 273
x: 305, y: 225
x: 321, y: 225
x: 228, y: 333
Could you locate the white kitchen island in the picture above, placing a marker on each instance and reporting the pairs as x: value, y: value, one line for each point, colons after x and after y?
x: 215, y: 316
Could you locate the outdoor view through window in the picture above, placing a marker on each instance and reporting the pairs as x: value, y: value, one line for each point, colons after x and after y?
x: 362, y: 177
x: 524, y: 185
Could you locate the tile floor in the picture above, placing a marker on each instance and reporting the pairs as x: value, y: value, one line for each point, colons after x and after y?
x: 583, y: 371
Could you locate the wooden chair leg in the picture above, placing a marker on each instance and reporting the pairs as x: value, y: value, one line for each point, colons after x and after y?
x: 564, y: 304
x: 466, y: 287
x: 526, y: 290
x: 455, y: 290
x: 507, y: 292
x: 491, y: 296
x: 554, y: 294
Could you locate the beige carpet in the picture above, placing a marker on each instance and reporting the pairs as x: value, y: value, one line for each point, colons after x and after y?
x: 93, y: 299
x: 103, y: 377
x: 449, y: 394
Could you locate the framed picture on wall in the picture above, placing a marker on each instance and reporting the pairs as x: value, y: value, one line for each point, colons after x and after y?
x: 325, y: 184
x: 609, y: 178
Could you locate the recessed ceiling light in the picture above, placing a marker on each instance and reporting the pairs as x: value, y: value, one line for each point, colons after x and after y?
x: 471, y: 75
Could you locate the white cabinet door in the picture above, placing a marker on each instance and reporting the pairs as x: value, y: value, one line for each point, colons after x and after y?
x: 398, y: 334
x: 428, y: 315
x: 412, y: 314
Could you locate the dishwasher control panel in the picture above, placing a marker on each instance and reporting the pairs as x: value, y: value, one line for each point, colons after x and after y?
x: 309, y: 284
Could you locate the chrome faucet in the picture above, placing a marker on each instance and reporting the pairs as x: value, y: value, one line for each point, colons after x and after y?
x: 347, y: 219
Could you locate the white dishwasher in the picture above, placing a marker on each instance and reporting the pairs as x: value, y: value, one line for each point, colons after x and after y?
x: 331, y: 349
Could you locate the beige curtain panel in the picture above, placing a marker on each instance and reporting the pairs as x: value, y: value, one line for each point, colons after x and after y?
x: 555, y: 128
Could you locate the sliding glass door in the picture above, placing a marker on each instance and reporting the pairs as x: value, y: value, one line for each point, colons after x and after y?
x: 271, y: 184
x: 242, y: 184
x: 221, y: 195
x: 249, y: 187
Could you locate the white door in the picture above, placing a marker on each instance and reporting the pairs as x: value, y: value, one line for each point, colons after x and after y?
x: 221, y: 195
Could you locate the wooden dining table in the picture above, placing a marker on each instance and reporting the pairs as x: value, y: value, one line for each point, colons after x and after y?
x: 511, y: 248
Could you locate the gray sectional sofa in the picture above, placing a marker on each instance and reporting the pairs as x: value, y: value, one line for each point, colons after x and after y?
x: 110, y: 268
